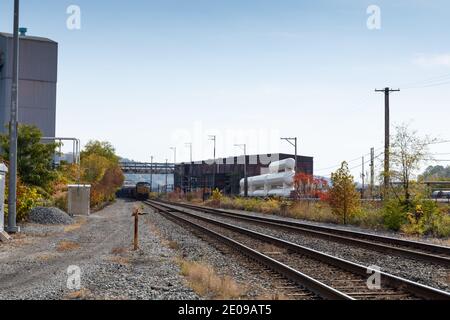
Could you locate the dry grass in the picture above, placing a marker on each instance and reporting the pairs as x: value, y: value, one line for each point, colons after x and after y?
x: 205, y: 282
x: 307, y: 210
x: 21, y: 240
x: 82, y: 294
x: 67, y: 246
x: 119, y: 256
x: 73, y: 227
x: 268, y: 248
x: 171, y: 244
x: 119, y: 251
x: 45, y: 256
x: 124, y: 261
x: 273, y: 296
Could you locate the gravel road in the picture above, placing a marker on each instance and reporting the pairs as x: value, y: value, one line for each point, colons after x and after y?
x: 35, y: 264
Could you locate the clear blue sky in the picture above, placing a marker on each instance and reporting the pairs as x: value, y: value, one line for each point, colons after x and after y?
x: 147, y: 75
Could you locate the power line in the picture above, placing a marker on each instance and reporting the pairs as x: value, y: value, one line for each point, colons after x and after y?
x: 431, y: 85
x: 439, y: 142
x: 425, y: 82
x: 349, y: 161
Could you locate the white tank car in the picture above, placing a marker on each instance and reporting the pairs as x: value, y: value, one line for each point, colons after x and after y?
x: 278, y: 182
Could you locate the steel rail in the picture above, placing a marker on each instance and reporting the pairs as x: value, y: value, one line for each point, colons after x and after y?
x: 415, y: 288
x: 290, y: 273
x: 381, y: 243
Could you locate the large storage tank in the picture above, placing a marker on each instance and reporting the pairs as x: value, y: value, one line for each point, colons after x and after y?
x: 278, y: 182
x: 37, y: 82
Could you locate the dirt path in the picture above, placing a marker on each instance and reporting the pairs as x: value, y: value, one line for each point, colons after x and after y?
x: 35, y: 265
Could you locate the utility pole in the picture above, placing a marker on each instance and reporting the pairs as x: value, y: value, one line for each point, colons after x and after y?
x: 189, y: 144
x: 214, y: 138
x: 174, y: 154
x: 174, y: 164
x: 387, y: 142
x: 363, y: 175
x: 151, y: 174
x: 167, y: 172
x: 372, y: 171
x: 244, y: 146
x: 13, y: 127
x: 293, y: 142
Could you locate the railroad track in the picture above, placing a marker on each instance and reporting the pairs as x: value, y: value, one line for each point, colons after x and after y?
x: 326, y: 276
x: 412, y: 249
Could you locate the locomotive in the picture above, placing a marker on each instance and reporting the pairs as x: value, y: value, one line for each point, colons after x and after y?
x: 142, y: 191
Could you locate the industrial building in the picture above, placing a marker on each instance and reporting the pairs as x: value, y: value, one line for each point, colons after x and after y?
x: 229, y: 171
x: 38, y: 68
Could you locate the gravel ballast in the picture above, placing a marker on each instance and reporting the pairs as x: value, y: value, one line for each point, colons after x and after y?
x: 43, y: 215
x: 426, y: 273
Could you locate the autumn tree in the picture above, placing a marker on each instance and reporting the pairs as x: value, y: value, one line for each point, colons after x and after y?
x: 34, y: 158
x: 343, y: 196
x: 100, y: 148
x: 408, y: 151
x: 100, y: 167
x: 308, y: 186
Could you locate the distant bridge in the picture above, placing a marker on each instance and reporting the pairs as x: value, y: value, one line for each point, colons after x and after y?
x: 147, y: 168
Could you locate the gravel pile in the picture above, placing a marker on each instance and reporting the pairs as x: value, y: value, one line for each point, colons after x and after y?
x: 42, y: 215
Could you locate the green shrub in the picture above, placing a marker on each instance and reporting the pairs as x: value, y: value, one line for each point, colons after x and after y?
x: 369, y: 218
x: 271, y: 206
x: 252, y: 204
x: 428, y: 218
x: 27, y: 199
x: 443, y: 227
x: 61, y: 202
x: 395, y: 215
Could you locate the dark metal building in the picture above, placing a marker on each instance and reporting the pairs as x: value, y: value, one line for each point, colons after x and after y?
x: 229, y: 171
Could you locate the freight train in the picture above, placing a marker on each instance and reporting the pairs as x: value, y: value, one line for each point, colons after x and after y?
x: 142, y: 191
x: 139, y: 191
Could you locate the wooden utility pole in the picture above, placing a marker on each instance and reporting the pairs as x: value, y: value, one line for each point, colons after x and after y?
x: 387, y: 142
x: 363, y: 175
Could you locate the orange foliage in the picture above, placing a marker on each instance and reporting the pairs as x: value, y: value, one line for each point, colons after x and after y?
x: 105, y: 189
x: 308, y: 186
